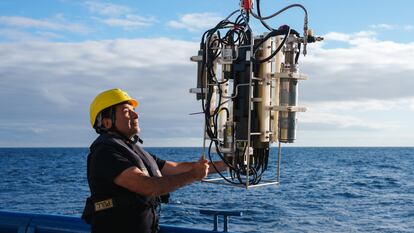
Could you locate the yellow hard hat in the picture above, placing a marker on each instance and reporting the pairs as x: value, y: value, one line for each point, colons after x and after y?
x: 107, y: 99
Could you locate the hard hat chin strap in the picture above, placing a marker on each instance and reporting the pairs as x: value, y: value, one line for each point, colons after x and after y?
x: 138, y: 139
x: 113, y: 118
x: 132, y: 140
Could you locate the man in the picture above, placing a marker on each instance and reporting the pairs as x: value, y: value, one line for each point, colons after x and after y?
x: 126, y: 182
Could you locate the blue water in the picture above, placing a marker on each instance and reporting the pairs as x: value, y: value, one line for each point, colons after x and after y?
x: 322, y: 189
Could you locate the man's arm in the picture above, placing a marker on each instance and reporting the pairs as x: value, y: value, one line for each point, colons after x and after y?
x: 136, y: 181
x: 174, y: 168
x: 219, y: 165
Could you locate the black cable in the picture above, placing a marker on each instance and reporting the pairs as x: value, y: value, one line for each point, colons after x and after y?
x: 282, y: 10
x: 218, y: 172
x: 274, y: 52
x: 260, y: 16
x: 209, y: 55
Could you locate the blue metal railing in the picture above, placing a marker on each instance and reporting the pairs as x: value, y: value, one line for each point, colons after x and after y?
x: 11, y: 222
x: 225, y: 214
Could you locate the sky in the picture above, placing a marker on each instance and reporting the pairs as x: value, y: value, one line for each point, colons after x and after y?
x: 57, y: 55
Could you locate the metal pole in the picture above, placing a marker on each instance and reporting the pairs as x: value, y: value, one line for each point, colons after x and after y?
x: 226, y: 220
x: 278, y: 163
x: 215, y: 222
x: 250, y: 112
x: 205, y: 99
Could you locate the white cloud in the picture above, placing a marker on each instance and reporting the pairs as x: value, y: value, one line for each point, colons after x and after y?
x: 366, y: 86
x: 361, y: 115
x: 363, y: 34
x: 115, y: 15
x: 336, y: 36
x: 367, y: 69
x: 384, y: 26
x: 18, y: 35
x: 55, y: 82
x: 50, y: 24
x: 340, y: 121
x: 107, y: 9
x: 367, y: 105
x: 392, y: 27
x: 408, y: 27
x: 129, y: 22
x: 49, y: 35
x: 195, y: 21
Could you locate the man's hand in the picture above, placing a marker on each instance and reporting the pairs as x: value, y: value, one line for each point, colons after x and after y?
x: 199, y: 169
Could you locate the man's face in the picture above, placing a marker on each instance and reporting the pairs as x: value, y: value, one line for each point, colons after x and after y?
x: 127, y: 120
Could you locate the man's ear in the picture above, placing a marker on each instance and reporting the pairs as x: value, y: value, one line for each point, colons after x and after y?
x: 107, y: 123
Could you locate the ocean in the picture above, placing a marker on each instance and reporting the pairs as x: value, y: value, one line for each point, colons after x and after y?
x: 322, y: 189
